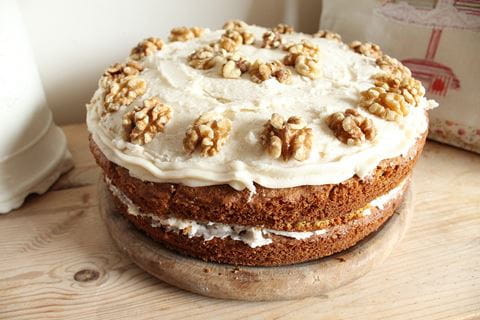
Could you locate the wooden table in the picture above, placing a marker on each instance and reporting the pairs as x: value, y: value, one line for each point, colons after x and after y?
x: 57, y: 260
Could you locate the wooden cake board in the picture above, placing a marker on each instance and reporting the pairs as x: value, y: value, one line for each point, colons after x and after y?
x: 255, y: 283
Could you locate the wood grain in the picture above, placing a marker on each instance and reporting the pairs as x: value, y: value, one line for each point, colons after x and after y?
x: 433, y: 274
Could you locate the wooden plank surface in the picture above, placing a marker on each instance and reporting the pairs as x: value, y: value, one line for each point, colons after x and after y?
x: 57, y: 260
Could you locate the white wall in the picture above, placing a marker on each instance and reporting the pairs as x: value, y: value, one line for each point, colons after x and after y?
x: 74, y: 40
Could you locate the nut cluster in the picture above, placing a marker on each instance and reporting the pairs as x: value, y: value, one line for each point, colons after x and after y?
x: 232, y: 39
x: 185, y: 33
x: 410, y: 88
x: 367, y: 49
x: 146, y: 47
x: 295, y: 50
x: 305, y: 57
x: 119, y: 71
x: 289, y: 139
x: 387, y: 105
x: 122, y: 85
x: 143, y: 122
x: 206, y: 57
x: 390, y: 97
x: 261, y: 71
x: 271, y: 39
x: 393, y: 67
x: 308, y: 66
x: 237, y: 25
x: 208, y: 133
x: 283, y: 28
x: 235, y: 66
x: 350, y: 127
x: 327, y: 34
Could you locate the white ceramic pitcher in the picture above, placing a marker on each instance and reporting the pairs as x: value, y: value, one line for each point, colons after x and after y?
x: 33, y: 150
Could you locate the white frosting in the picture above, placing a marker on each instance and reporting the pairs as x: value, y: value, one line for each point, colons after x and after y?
x: 242, y: 160
x: 252, y: 236
x: 381, y: 201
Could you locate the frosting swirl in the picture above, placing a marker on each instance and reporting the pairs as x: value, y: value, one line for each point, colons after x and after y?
x: 242, y: 161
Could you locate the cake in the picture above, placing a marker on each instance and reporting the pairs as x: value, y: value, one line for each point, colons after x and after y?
x: 255, y: 146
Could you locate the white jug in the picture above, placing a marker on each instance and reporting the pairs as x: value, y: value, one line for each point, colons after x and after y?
x: 33, y: 150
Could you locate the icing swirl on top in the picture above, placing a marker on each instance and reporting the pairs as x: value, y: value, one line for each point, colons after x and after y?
x: 242, y: 161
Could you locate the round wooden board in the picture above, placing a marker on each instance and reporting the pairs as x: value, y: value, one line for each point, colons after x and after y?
x: 255, y: 283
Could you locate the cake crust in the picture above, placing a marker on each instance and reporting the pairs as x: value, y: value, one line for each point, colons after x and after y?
x: 282, y: 251
x: 290, y: 209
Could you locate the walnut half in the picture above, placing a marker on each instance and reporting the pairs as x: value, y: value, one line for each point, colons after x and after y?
x: 209, y: 132
x: 271, y: 39
x: 393, y: 66
x: 327, y: 34
x: 305, y: 57
x: 146, y: 47
x: 410, y: 88
x: 119, y: 71
x: 289, y: 139
x: 283, y: 28
x: 367, y: 49
x: 144, y: 122
x: 206, y: 57
x: 390, y: 97
x: 308, y: 66
x: 261, y: 71
x: 231, y: 40
x: 122, y: 92
x: 234, y: 67
x: 390, y: 106
x: 305, y: 48
x: 235, y: 25
x: 185, y: 33
x: 350, y: 127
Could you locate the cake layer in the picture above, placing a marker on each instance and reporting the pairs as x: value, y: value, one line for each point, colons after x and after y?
x: 302, y: 208
x: 242, y: 162
x: 269, y: 249
x: 253, y: 236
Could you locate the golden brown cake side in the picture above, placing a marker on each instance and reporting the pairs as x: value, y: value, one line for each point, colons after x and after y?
x: 282, y: 250
x: 298, y: 208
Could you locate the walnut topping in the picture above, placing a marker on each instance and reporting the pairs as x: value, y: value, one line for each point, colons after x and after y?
x: 146, y: 48
x: 367, y: 49
x: 393, y: 66
x: 350, y: 127
x: 122, y: 92
x: 206, y: 57
x: 305, y: 48
x: 260, y: 71
x: 283, y: 28
x: 308, y: 66
x: 248, y: 38
x: 208, y: 133
x: 235, y: 25
x: 271, y: 39
x: 327, y: 34
x: 410, y: 88
x: 121, y: 84
x: 119, y: 71
x: 231, y: 40
x: 185, y: 33
x: 235, y: 67
x: 143, y: 122
x: 387, y: 105
x: 288, y: 139
x: 391, y: 96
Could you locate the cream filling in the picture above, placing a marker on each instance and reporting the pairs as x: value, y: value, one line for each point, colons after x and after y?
x: 252, y: 236
x: 242, y: 161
